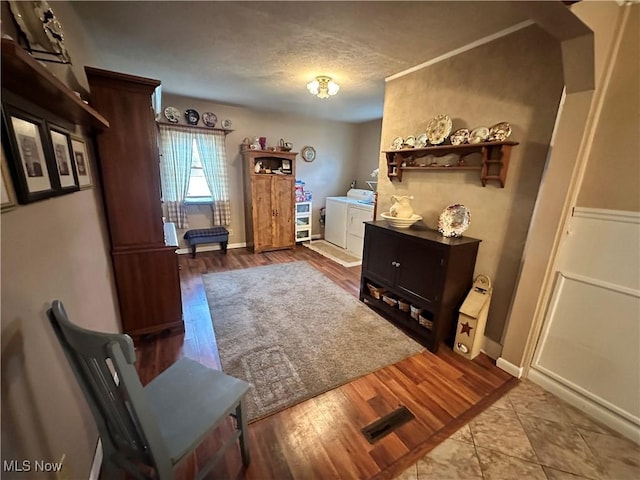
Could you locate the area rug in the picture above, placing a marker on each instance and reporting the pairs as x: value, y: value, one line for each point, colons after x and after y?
x: 293, y: 334
x: 335, y: 253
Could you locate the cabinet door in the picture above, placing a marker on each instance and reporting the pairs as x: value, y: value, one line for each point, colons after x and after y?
x: 284, y: 209
x: 380, y: 254
x: 263, y: 212
x: 421, y: 270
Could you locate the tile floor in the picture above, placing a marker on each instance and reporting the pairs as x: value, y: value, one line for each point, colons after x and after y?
x: 530, y: 434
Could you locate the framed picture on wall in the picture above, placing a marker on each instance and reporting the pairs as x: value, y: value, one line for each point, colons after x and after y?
x: 6, y: 189
x: 25, y: 136
x: 81, y: 162
x: 61, y: 145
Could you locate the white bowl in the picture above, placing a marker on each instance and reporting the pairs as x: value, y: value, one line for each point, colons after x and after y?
x: 400, y: 222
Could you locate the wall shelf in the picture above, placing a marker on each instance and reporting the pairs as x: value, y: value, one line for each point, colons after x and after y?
x: 494, y: 160
x: 27, y: 78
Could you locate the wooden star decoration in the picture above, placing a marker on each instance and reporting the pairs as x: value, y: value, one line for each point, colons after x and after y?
x: 466, y: 328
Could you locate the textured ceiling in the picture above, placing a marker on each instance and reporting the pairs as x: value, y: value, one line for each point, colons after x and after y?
x: 262, y: 54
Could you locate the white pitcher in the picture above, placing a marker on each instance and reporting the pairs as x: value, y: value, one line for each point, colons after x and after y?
x: 401, y: 207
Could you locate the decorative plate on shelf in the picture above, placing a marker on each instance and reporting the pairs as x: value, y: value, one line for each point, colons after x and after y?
x: 191, y: 116
x: 460, y: 136
x: 454, y: 220
x: 410, y: 141
x: 397, y: 143
x: 479, y: 135
x: 499, y: 132
x: 438, y: 129
x: 421, y: 140
x: 226, y: 123
x: 209, y: 119
x: 172, y: 114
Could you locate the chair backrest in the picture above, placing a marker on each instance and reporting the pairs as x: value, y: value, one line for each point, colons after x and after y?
x: 127, y: 428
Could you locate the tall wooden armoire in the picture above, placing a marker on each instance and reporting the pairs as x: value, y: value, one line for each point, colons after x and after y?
x: 269, y: 199
x: 145, y: 268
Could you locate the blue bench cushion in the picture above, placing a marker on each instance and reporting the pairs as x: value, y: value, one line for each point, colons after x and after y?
x: 205, y: 232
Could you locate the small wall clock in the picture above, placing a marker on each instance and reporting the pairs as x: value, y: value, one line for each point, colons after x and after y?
x: 308, y: 154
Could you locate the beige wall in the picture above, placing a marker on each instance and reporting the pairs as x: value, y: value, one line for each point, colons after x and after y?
x: 612, y: 177
x: 368, y: 151
x: 338, y: 147
x: 518, y: 79
x: 55, y: 248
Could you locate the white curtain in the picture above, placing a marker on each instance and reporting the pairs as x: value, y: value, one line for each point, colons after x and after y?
x: 176, y: 147
x: 213, y: 156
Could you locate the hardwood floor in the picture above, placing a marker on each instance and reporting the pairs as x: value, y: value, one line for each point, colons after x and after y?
x: 321, y: 438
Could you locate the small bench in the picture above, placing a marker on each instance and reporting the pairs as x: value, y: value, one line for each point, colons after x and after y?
x: 207, y: 235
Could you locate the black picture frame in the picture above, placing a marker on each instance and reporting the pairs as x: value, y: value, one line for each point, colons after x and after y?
x: 81, y: 160
x: 29, y: 155
x: 62, y: 153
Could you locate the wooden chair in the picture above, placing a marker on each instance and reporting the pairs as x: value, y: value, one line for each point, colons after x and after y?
x: 147, y: 430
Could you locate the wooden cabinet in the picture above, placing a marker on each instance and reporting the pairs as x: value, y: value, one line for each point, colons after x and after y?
x: 145, y: 268
x: 424, y: 269
x: 269, y: 200
x: 493, y: 161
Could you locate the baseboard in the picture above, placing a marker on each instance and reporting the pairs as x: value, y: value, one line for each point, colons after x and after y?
x: 210, y: 248
x: 96, y: 465
x: 588, y: 406
x: 491, y: 348
x: 509, y: 367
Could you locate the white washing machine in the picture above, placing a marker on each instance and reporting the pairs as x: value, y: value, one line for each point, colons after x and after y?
x: 344, y: 225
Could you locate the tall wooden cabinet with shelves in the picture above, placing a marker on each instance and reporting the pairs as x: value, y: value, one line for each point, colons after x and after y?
x: 269, y: 199
x: 145, y: 268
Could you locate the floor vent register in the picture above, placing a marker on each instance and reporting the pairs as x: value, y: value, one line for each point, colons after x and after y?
x: 387, y: 424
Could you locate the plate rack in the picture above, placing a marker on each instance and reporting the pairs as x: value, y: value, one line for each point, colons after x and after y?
x: 493, y: 164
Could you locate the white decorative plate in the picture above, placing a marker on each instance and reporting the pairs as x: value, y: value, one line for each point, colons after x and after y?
x: 172, y: 114
x: 438, y: 129
x: 410, y: 141
x: 454, y: 220
x: 479, y: 135
x: 209, y: 119
x: 421, y: 140
x: 397, y: 143
x: 226, y: 123
x: 460, y: 136
x: 499, y: 132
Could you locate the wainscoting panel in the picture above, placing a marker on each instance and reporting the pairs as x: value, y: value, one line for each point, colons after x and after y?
x: 590, y: 343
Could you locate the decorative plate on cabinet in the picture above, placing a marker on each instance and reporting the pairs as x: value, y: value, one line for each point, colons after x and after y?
x: 209, y: 119
x: 421, y: 140
x: 460, y: 136
x: 191, y: 116
x: 172, y: 114
x: 454, y: 220
x: 397, y: 143
x: 499, y: 132
x: 438, y: 129
x: 308, y: 154
x: 479, y: 135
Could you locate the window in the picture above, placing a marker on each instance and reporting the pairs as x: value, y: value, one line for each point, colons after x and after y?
x: 198, y: 190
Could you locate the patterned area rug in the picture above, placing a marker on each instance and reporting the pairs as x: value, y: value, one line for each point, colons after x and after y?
x: 293, y: 334
x: 335, y: 253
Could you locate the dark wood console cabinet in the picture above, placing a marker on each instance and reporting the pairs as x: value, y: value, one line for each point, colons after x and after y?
x: 145, y: 268
x: 423, y: 268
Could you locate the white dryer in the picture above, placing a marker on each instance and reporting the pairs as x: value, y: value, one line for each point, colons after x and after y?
x: 344, y: 219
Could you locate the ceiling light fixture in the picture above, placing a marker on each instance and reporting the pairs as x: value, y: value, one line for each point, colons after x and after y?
x: 323, y: 87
